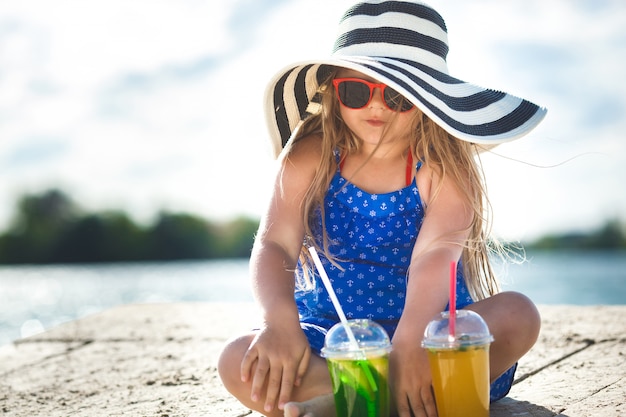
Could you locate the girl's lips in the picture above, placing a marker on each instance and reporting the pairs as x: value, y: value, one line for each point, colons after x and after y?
x: 375, y: 122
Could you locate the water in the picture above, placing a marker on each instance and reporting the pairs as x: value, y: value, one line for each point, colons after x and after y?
x: 35, y: 298
x: 579, y: 278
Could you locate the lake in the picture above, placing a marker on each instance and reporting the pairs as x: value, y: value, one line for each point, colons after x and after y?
x: 35, y: 298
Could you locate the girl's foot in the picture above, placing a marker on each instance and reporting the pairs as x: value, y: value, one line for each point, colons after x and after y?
x: 322, y: 406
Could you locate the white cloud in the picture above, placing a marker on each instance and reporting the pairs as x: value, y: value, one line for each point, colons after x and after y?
x: 158, y: 104
x: 87, y: 41
x: 567, y: 56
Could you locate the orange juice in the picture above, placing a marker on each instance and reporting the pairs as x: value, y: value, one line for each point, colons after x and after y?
x: 461, y: 381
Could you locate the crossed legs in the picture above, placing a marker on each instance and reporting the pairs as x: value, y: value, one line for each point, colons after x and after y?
x: 512, y: 319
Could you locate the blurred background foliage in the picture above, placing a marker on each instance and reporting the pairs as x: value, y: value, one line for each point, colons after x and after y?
x: 51, y: 228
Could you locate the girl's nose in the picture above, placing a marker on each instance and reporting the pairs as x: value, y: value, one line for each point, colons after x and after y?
x: 377, y: 100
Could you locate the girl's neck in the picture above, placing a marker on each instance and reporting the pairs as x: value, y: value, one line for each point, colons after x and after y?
x: 384, y: 151
x: 384, y: 171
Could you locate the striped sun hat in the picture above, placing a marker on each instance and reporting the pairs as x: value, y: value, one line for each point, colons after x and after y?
x: 404, y: 45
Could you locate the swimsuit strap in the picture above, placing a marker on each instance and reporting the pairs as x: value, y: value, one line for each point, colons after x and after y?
x: 409, y: 167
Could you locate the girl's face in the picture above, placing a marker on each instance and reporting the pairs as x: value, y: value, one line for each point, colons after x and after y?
x: 375, y: 121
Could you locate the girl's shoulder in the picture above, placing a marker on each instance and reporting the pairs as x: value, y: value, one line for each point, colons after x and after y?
x: 299, y: 164
x: 425, y: 177
x: 305, y: 152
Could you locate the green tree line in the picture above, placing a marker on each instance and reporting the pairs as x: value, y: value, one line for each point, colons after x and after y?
x: 51, y: 228
x: 610, y: 236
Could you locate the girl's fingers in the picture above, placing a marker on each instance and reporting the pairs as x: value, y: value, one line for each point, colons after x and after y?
x: 304, y: 365
x: 403, y: 408
x: 417, y: 406
x: 293, y: 378
x: 258, y: 381
x: 428, y: 399
x: 272, y: 380
x: 289, y: 379
x: 273, y: 387
x: 423, y: 403
x: 246, y: 364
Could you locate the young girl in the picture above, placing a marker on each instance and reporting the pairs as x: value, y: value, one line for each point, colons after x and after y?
x: 379, y: 172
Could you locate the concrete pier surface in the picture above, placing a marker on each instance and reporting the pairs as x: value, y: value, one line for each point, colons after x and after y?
x: 160, y: 360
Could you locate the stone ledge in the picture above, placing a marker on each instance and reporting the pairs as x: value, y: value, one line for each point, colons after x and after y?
x: 160, y: 360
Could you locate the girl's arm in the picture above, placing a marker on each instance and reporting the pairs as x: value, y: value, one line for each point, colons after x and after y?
x: 441, y: 239
x: 279, y: 355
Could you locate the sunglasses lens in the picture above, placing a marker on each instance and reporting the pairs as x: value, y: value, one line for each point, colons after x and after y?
x: 395, y: 101
x: 353, y: 94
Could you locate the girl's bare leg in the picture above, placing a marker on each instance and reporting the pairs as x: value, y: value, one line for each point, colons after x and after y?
x: 512, y: 319
x: 322, y: 406
x: 514, y: 323
x: 305, y: 401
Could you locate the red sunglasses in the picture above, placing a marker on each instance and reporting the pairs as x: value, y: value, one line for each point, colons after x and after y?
x: 356, y: 93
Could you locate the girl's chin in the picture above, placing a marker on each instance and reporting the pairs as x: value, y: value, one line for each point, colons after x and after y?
x: 375, y: 139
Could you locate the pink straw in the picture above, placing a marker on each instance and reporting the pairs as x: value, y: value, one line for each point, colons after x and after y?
x: 452, y: 306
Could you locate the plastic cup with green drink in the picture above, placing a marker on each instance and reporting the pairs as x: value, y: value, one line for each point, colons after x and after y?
x: 359, y: 373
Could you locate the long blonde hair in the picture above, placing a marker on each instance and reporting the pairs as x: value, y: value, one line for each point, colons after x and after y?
x: 447, y: 156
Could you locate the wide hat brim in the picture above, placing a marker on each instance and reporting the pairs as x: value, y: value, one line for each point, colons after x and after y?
x: 468, y: 112
x: 403, y: 44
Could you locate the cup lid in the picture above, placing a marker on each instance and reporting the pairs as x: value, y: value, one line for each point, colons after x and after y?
x: 470, y: 330
x: 370, y: 336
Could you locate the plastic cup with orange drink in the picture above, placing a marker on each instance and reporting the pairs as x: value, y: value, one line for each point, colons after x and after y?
x: 459, y: 362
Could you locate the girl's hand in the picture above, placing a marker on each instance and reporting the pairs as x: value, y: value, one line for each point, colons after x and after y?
x: 281, y: 355
x: 411, y: 382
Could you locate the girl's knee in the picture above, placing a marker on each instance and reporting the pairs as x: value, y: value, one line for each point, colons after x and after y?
x: 512, y: 315
x: 521, y: 318
x: 229, y: 362
x: 523, y: 310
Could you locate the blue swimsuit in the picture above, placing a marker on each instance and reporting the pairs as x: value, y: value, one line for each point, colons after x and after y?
x: 372, y: 237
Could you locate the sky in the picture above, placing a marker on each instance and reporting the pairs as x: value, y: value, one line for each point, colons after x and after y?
x: 155, y: 105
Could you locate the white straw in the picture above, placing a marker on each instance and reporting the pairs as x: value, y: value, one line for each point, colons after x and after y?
x: 333, y: 297
x: 342, y: 317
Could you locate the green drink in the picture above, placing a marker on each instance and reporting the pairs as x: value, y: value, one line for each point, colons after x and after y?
x: 355, y: 394
x: 359, y: 376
